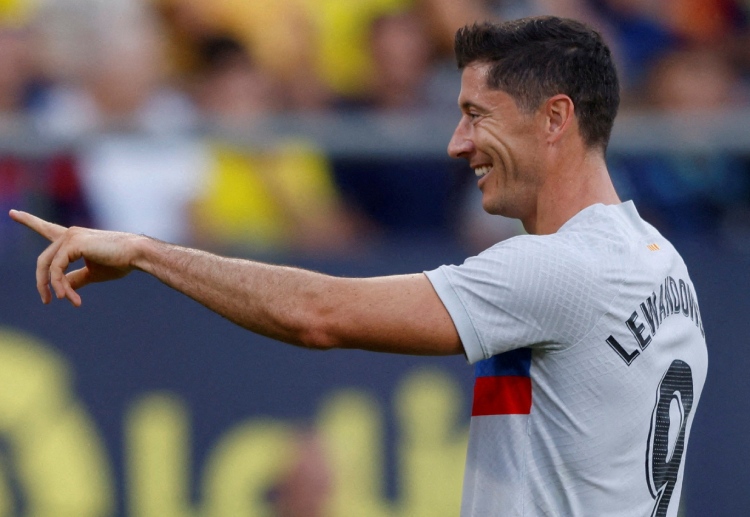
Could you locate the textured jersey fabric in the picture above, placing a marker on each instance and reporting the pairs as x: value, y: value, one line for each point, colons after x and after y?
x: 590, y: 358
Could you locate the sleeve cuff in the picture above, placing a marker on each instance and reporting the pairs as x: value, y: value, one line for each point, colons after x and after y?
x: 458, y: 313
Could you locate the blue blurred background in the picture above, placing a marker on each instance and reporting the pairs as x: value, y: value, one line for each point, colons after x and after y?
x: 313, y: 133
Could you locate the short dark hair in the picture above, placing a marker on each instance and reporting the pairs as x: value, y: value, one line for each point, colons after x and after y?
x: 533, y: 59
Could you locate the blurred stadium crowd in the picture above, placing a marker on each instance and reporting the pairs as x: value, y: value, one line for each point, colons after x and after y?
x: 139, y: 104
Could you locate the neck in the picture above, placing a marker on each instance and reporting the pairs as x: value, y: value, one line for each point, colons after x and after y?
x: 576, y: 182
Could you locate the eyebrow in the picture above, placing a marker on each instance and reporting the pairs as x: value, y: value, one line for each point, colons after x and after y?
x: 468, y: 105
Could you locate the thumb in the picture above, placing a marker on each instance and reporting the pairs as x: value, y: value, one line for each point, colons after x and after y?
x: 79, y: 278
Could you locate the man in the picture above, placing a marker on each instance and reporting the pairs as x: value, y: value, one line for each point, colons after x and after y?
x: 586, y: 334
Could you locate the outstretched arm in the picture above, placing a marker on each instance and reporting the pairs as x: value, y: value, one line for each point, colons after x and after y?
x: 400, y: 314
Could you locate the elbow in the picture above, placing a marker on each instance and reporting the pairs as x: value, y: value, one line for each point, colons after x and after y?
x: 323, y: 321
x: 315, y: 340
x: 319, y: 331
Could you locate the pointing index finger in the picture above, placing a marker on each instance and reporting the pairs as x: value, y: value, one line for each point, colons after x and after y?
x: 44, y: 228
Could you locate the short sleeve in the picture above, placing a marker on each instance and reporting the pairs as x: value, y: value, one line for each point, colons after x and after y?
x: 529, y: 291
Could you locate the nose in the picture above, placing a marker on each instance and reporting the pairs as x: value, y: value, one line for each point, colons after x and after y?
x: 460, y: 144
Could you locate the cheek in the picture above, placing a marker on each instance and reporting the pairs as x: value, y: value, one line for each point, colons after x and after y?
x: 496, y: 145
x: 523, y: 158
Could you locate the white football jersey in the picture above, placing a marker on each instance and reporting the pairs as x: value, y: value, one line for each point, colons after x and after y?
x: 590, y: 358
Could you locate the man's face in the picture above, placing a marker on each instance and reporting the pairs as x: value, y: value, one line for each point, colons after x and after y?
x: 501, y: 143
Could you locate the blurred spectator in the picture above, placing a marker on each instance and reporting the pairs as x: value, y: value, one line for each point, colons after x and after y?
x: 323, y: 42
x: 139, y: 166
x: 119, y: 71
x: 402, y: 57
x: 697, y: 79
x: 688, y: 191
x: 648, y: 30
x: 279, y: 198
x: 231, y: 89
x: 406, y: 195
x: 17, y: 79
x: 640, y: 31
x: 143, y: 185
x: 265, y: 29
x: 186, y: 25
x: 702, y: 21
x: 22, y: 86
x: 445, y: 17
x: 344, y: 56
x: 340, y: 37
x: 45, y: 184
x: 639, y: 36
x: 111, y: 74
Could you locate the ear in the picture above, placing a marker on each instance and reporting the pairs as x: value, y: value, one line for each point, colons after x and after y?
x: 559, y: 113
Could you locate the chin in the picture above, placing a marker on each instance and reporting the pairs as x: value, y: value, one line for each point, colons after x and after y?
x: 488, y: 208
x: 494, y: 208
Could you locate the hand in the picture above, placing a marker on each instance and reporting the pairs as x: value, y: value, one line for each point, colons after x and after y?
x: 106, y: 255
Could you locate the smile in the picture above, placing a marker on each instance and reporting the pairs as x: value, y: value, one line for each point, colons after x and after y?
x: 483, y: 170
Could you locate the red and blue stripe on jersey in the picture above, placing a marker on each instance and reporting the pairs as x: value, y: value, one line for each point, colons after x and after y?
x: 502, y: 384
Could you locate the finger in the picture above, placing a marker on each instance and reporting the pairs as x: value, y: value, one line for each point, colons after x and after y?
x: 42, y: 270
x: 74, y: 280
x: 79, y: 278
x: 44, y: 228
x: 73, y: 297
x: 58, y: 266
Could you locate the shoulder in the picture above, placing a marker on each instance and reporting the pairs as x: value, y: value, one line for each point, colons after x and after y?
x: 569, y: 253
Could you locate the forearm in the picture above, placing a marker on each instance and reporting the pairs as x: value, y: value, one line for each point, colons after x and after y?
x: 398, y: 314
x: 280, y: 302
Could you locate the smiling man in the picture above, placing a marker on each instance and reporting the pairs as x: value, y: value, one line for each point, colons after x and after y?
x: 586, y: 334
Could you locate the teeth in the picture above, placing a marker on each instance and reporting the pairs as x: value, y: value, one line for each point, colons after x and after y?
x: 481, y: 171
